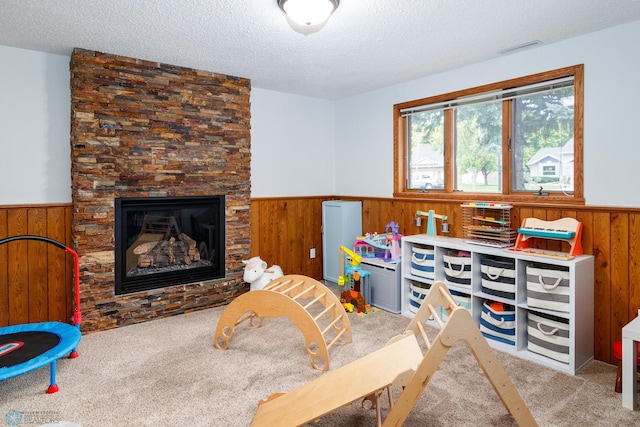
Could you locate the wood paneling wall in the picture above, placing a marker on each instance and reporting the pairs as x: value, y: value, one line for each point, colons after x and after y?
x: 612, y: 235
x: 36, y: 281
x: 36, y: 278
x: 283, y: 231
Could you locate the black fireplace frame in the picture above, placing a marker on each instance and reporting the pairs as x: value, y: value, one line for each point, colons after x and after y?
x: 124, y: 206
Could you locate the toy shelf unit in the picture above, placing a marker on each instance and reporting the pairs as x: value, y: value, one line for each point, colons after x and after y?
x: 487, y: 224
x: 538, y: 309
x: 565, y: 229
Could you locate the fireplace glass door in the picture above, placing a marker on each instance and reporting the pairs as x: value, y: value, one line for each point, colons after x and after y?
x: 165, y: 241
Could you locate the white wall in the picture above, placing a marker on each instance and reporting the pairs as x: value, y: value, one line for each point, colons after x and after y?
x: 35, y: 165
x: 292, y: 136
x: 364, y: 125
x: 304, y: 146
x: 292, y: 145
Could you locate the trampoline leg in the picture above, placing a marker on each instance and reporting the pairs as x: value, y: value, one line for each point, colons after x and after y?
x: 73, y: 354
x: 53, y: 387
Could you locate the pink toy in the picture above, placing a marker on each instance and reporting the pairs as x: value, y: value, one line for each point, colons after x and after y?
x: 395, y: 240
x: 257, y: 274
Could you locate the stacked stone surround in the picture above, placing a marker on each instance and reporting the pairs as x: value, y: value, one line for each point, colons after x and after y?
x: 145, y: 129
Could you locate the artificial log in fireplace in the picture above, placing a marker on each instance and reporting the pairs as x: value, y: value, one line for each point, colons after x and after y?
x: 165, y: 241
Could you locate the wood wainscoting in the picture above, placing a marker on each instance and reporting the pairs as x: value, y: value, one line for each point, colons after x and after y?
x: 35, y: 281
x: 36, y: 278
x: 283, y: 231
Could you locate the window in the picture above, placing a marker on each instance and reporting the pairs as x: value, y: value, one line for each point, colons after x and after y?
x: 514, y: 140
x: 426, y: 153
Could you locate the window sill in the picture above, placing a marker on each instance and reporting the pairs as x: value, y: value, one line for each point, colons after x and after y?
x: 526, y: 198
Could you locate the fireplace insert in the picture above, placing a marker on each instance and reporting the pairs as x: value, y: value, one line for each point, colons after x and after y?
x: 166, y: 241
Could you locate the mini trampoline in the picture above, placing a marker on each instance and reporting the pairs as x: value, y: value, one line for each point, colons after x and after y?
x: 25, y: 348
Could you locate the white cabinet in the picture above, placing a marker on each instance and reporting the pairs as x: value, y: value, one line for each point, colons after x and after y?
x: 557, y: 333
x: 341, y: 224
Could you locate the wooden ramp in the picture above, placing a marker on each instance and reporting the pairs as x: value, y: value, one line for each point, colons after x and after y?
x: 400, y: 363
x: 309, y: 304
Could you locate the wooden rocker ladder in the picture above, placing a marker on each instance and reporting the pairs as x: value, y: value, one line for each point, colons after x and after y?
x: 399, y: 363
x: 305, y: 301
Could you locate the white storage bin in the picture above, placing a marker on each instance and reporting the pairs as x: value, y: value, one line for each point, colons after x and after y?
x: 548, y: 287
x: 549, y: 336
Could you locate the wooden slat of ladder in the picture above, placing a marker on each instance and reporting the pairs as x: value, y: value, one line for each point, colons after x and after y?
x: 330, y: 325
x: 427, y: 343
x: 276, y: 284
x: 323, y: 312
x: 316, y: 299
x: 435, y: 315
x: 336, y: 338
x: 292, y: 287
x: 303, y: 293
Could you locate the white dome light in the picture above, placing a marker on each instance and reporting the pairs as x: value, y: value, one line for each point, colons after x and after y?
x: 308, y: 13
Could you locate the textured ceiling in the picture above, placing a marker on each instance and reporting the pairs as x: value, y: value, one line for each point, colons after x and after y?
x: 367, y: 44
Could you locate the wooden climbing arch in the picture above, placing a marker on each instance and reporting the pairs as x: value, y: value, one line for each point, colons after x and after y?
x: 309, y: 304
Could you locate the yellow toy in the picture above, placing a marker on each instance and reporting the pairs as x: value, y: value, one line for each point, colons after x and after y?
x: 355, y: 261
x: 355, y: 258
x: 348, y: 306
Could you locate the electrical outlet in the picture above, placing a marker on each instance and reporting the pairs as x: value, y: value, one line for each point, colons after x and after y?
x: 312, y: 253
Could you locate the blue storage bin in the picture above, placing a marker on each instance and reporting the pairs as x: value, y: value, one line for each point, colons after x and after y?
x: 423, y: 262
x: 416, y: 297
x: 457, y: 269
x: 498, y: 322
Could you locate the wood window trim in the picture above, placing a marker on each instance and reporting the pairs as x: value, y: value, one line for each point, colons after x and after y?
x: 449, y: 193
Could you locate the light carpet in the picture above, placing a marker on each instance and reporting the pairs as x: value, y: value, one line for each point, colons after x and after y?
x: 166, y: 372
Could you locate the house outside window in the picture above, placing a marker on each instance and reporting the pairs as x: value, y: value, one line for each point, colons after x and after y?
x: 504, y: 141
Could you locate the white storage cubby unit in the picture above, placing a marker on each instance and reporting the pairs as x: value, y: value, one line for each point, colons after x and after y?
x: 577, y: 314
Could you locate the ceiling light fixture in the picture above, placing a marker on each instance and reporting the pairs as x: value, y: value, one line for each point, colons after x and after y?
x: 307, y: 16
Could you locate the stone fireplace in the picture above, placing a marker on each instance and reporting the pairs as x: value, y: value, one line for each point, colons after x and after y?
x: 145, y: 130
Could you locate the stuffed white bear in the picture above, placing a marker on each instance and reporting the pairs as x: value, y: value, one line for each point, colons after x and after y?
x: 257, y: 274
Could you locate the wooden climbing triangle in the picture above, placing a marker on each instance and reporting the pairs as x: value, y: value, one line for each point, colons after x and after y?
x: 309, y: 304
x: 400, y: 363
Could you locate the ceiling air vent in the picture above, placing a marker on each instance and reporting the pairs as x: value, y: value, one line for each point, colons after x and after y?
x: 519, y: 47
